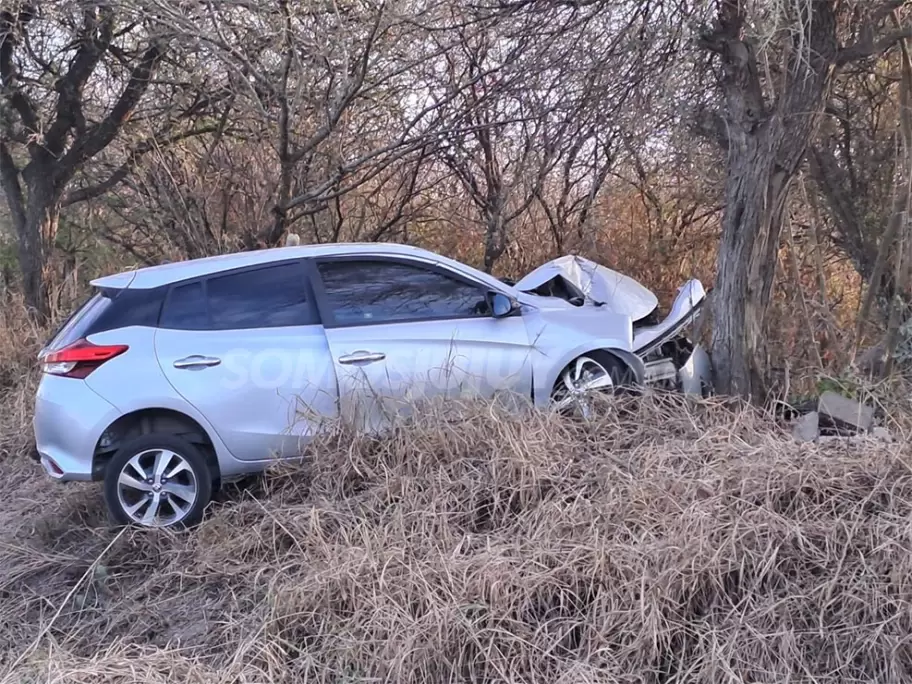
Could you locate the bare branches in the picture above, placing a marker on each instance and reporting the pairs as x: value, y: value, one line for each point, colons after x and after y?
x: 133, y: 157
x: 872, y: 47
x: 96, y: 35
x: 101, y: 135
x: 13, y: 25
x: 873, y: 39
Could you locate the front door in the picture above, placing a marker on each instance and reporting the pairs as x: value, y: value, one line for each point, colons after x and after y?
x: 247, y: 349
x: 400, y: 331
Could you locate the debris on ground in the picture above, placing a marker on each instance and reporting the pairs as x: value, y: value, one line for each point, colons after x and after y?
x: 833, y: 416
x: 846, y: 413
x: 807, y: 428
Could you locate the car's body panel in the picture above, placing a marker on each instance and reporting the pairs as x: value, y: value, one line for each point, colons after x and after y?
x: 468, y: 357
x: 618, y: 293
x: 270, y: 390
x: 686, y: 307
x: 560, y: 332
x: 68, y: 421
x: 135, y: 382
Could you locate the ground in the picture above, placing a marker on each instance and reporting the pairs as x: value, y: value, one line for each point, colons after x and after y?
x: 660, y: 543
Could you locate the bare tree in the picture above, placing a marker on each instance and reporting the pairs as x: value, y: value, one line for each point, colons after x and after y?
x: 332, y: 90
x: 774, y: 87
x: 75, y: 80
x: 541, y: 129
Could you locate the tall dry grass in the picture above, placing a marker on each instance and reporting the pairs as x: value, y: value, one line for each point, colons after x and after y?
x: 663, y: 542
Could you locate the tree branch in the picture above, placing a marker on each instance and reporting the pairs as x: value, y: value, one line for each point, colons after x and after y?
x: 69, y: 87
x: 885, y: 9
x: 101, y: 135
x: 120, y: 174
x: 10, y: 25
x: 871, y: 47
x: 9, y: 178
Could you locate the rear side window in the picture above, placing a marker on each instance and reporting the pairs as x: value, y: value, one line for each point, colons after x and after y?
x: 271, y: 297
x: 129, y: 308
x: 110, y: 310
x: 265, y: 298
x: 77, y: 325
x: 186, y: 308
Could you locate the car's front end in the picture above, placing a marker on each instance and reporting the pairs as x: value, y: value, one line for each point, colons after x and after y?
x: 669, y: 357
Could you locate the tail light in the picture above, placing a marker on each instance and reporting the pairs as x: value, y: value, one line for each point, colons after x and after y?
x: 79, y: 359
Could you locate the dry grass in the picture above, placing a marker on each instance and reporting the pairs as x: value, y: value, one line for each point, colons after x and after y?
x: 672, y: 544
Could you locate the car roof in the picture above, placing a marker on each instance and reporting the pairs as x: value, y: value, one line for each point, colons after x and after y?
x: 165, y: 274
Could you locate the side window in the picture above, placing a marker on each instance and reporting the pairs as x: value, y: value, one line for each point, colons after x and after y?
x: 185, y: 308
x: 269, y: 297
x: 361, y: 292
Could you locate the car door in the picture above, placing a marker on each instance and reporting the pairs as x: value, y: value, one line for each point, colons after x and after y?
x: 246, y: 348
x: 402, y: 330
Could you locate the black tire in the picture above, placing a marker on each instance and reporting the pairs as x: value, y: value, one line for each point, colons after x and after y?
x: 195, y: 473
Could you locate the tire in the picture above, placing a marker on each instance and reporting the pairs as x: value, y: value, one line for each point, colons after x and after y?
x: 180, y: 491
x: 622, y: 380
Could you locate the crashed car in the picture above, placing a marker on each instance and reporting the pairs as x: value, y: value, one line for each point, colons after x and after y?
x: 173, y: 379
x: 670, y: 359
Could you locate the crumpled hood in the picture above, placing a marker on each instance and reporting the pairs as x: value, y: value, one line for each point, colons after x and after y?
x: 619, y: 293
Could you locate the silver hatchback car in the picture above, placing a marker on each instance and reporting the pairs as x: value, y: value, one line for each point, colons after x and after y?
x: 173, y: 379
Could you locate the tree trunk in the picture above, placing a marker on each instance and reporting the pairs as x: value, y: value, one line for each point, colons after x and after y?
x: 765, y: 143
x: 495, y: 236
x: 34, y: 217
x: 36, y: 242
x: 740, y: 290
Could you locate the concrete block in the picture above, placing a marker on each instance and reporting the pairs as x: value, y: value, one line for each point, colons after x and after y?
x: 845, y: 411
x: 882, y: 434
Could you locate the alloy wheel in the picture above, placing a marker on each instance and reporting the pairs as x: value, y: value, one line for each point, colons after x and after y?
x: 157, y: 488
x: 577, y: 383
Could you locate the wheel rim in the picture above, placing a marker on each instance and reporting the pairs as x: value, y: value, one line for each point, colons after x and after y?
x: 157, y: 488
x: 577, y: 383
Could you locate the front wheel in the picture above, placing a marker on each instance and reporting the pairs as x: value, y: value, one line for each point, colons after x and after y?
x: 157, y: 480
x: 596, y: 372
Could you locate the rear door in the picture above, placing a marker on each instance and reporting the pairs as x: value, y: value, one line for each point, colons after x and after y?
x: 246, y: 348
x: 401, y: 330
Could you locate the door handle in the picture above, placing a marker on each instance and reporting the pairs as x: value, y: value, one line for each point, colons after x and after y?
x: 196, y: 361
x: 362, y: 357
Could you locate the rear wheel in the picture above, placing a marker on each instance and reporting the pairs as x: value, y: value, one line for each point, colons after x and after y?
x: 157, y: 480
x: 597, y: 372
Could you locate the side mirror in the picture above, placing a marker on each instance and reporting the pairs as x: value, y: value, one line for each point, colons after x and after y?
x: 500, y: 305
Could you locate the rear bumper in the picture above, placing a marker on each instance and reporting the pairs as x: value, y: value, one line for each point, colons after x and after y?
x: 69, y: 419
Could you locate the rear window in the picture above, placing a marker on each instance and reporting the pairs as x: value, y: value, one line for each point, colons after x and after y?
x: 75, y: 327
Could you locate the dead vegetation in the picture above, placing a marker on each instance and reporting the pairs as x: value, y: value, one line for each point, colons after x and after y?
x: 661, y: 543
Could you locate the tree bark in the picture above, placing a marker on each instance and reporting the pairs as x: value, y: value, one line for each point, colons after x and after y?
x: 36, y: 241
x: 495, y: 234
x: 765, y: 145
x: 737, y: 310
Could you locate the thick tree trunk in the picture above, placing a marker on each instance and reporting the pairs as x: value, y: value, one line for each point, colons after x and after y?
x: 765, y: 144
x: 36, y: 242
x: 34, y: 216
x: 743, y: 276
